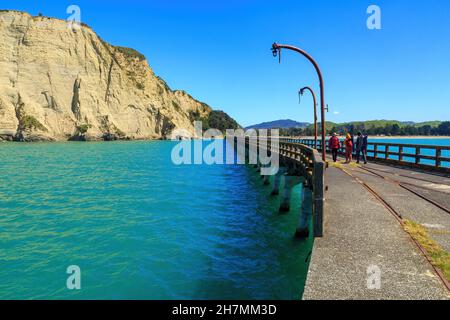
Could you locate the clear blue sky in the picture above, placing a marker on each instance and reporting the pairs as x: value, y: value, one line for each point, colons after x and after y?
x: 218, y: 50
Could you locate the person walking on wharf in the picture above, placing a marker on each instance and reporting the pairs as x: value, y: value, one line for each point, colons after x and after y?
x: 361, y: 147
x: 348, y: 148
x: 334, y: 145
x: 353, y: 142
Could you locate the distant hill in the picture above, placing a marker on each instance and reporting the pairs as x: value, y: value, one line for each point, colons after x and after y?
x: 383, y: 123
x: 288, y: 124
x: 372, y: 127
x: 377, y: 127
x: 290, y: 127
x: 279, y: 124
x: 433, y: 124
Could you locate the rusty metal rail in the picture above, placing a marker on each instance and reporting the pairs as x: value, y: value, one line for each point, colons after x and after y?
x: 399, y: 218
x: 406, y: 186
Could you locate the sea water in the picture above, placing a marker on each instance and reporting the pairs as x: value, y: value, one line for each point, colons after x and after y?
x: 412, y: 150
x: 140, y: 227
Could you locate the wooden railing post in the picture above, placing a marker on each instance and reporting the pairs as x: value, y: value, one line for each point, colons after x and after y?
x: 405, y: 155
x: 417, y: 155
x: 438, y: 157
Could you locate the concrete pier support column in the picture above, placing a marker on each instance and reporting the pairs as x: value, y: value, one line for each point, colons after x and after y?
x: 277, y: 181
x: 286, y: 196
x: 266, y: 180
x: 305, y: 214
x: 289, y: 183
x: 258, y: 166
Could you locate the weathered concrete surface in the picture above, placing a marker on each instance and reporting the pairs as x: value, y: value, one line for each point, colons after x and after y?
x: 361, y: 233
x: 409, y: 205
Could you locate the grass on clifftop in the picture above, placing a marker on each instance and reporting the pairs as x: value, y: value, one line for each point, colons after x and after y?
x: 439, y: 257
x: 131, y: 53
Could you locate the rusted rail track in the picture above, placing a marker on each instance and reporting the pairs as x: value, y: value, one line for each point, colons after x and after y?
x: 413, y: 178
x: 399, y: 218
x: 403, y: 185
x: 407, y: 183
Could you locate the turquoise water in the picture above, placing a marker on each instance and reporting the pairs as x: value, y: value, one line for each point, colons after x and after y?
x: 423, y: 151
x: 140, y: 227
x: 431, y: 141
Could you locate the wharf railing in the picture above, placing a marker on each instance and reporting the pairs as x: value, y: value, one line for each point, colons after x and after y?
x: 427, y: 157
x: 305, y: 161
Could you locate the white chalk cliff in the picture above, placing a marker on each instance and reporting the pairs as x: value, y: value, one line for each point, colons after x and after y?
x: 58, y: 83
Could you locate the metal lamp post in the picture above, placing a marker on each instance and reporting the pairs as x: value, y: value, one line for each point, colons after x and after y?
x: 276, y: 50
x: 301, y: 92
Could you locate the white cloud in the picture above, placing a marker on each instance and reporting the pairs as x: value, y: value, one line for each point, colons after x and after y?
x: 336, y: 113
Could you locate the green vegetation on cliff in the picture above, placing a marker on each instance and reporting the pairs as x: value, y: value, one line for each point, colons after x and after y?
x: 216, y: 119
x: 82, y: 129
x: 130, y: 53
x: 221, y: 121
x: 28, y: 122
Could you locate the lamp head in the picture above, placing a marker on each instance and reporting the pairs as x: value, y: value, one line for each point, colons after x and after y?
x: 275, y: 49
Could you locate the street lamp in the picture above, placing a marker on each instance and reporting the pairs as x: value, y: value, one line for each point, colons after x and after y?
x: 301, y: 92
x: 276, y: 50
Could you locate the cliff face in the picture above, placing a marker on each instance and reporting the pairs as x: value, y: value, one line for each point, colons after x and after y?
x: 58, y: 84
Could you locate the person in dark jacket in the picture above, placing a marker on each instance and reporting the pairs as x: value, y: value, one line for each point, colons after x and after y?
x: 334, y: 145
x: 353, y: 142
x: 361, y: 147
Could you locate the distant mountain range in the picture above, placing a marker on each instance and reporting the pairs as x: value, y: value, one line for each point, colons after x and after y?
x: 280, y: 124
x: 288, y: 123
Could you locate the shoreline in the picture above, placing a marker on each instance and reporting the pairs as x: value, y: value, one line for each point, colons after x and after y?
x: 162, y: 139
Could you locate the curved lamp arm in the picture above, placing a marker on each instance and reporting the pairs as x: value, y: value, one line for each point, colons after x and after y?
x: 301, y: 92
x: 276, y: 50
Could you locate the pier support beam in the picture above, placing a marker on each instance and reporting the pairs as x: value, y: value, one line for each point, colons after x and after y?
x: 266, y: 180
x: 289, y: 183
x: 305, y: 214
x: 258, y: 166
x: 277, y: 181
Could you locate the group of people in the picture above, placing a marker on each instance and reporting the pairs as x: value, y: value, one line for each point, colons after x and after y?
x: 360, y: 146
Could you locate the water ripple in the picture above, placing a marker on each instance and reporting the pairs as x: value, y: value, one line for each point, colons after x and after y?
x: 140, y: 227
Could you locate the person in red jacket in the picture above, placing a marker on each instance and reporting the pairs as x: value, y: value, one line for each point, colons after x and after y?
x: 334, y: 146
x: 348, y: 148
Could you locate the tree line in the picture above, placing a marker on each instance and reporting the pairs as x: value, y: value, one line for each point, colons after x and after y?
x: 443, y: 129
